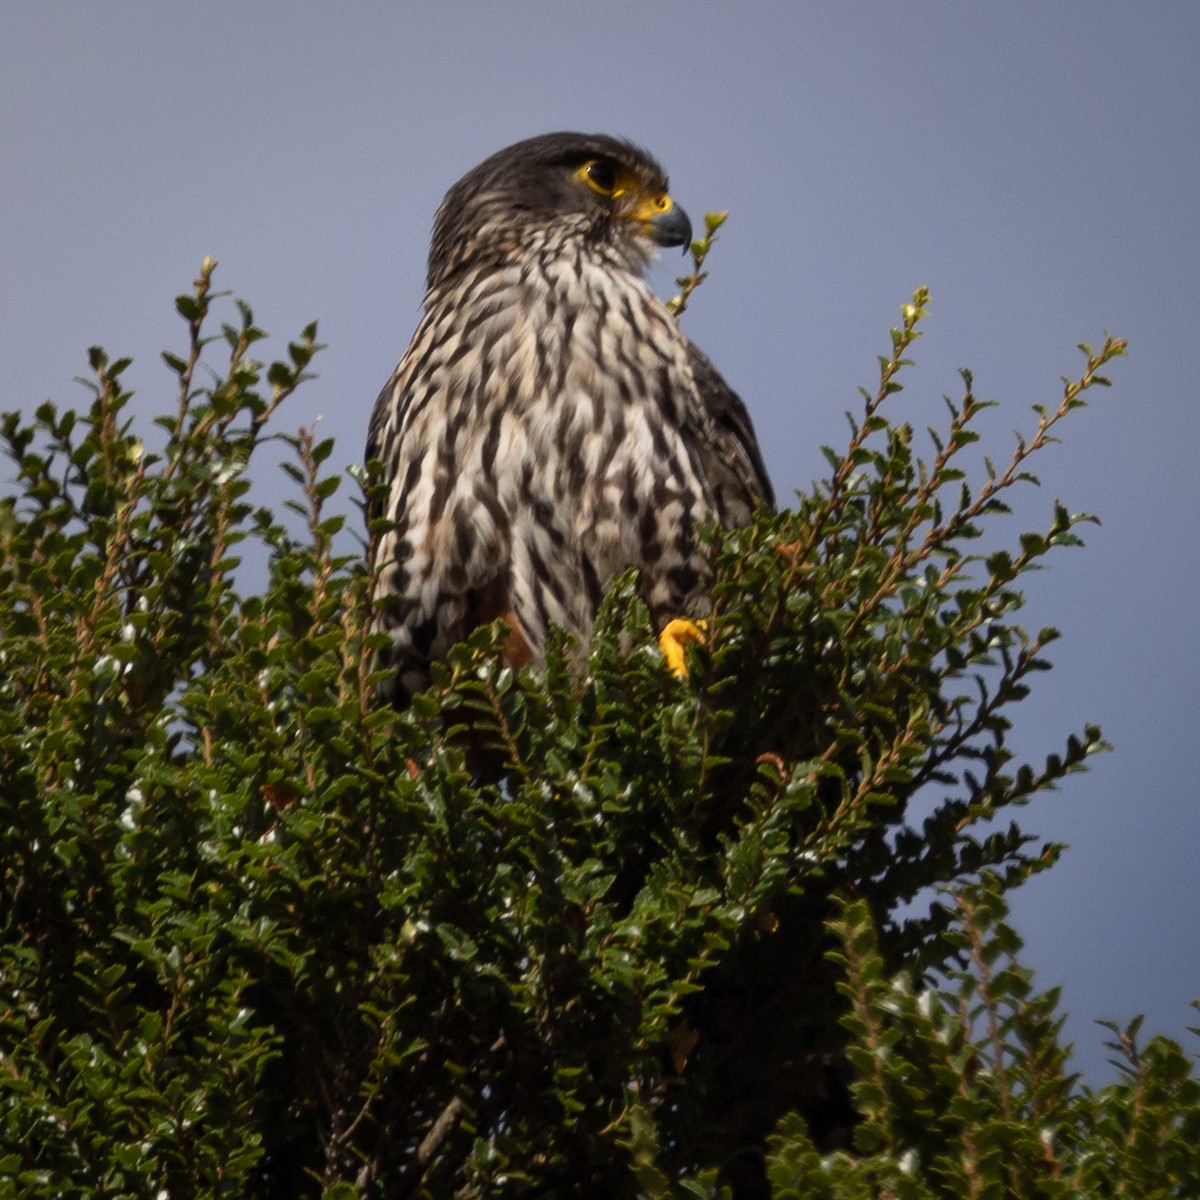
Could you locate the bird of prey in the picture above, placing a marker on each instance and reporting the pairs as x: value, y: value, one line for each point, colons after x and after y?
x: 549, y: 425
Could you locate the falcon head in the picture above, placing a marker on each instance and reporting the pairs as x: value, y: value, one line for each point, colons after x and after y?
x: 555, y: 189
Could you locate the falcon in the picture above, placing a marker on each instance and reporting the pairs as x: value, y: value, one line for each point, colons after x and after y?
x: 549, y: 426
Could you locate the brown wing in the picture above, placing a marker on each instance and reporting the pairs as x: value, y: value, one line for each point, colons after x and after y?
x: 732, y: 460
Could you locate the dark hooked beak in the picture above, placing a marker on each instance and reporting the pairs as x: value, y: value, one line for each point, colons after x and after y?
x: 670, y: 226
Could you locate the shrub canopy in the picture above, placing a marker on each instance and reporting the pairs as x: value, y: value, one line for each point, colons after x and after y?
x: 593, y: 930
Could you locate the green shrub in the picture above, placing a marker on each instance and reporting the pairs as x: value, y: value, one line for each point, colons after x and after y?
x: 263, y: 936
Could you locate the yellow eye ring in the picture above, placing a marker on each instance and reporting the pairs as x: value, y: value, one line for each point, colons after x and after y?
x: 601, y: 177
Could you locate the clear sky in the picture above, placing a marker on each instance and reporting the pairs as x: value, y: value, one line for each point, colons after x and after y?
x: 1037, y: 165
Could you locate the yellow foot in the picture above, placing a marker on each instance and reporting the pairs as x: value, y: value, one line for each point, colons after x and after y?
x: 673, y: 642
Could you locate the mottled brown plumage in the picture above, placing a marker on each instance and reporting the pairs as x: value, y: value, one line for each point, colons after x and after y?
x: 549, y: 425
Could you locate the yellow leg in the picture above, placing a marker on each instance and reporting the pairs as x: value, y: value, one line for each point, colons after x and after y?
x: 674, y: 639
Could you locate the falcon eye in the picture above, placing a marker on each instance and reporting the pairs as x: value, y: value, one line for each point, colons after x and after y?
x: 600, y: 176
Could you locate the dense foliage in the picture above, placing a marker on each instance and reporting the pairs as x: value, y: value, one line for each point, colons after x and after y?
x: 592, y: 931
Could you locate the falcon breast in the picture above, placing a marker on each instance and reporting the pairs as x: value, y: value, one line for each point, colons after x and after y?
x: 549, y: 425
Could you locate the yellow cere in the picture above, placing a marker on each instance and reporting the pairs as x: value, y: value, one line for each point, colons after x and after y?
x: 651, y: 207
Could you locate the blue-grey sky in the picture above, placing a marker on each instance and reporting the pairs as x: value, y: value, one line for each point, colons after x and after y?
x: 1037, y: 165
